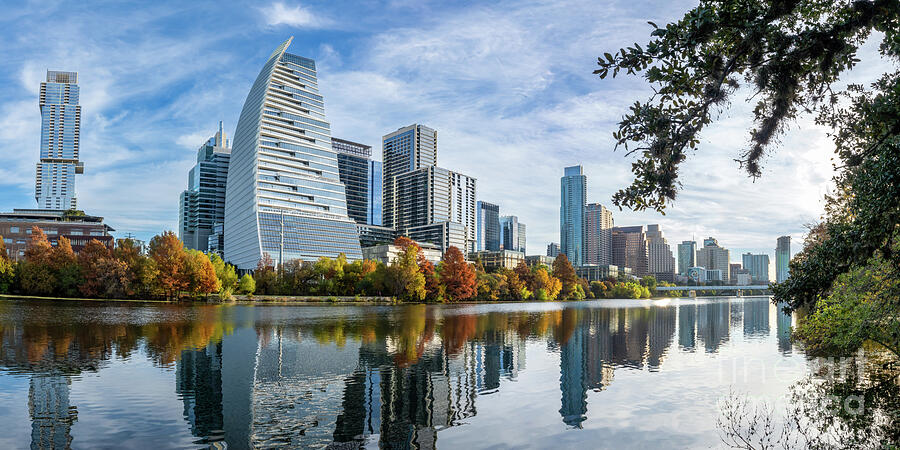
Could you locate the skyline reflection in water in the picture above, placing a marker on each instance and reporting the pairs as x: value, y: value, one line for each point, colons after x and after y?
x: 88, y: 375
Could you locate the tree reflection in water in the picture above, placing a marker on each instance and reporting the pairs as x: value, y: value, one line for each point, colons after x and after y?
x: 348, y: 376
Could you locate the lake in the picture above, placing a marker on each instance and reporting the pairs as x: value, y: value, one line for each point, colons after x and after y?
x: 608, y: 373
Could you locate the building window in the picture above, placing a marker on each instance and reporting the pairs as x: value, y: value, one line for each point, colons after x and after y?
x: 13, y: 229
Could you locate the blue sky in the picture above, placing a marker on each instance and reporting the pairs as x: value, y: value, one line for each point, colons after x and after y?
x: 508, y: 86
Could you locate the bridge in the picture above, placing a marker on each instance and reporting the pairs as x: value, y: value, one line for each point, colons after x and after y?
x: 692, y: 290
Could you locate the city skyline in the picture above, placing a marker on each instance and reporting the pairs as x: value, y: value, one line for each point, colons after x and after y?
x: 143, y: 122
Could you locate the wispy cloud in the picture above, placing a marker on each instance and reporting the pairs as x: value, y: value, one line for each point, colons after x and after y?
x: 279, y: 13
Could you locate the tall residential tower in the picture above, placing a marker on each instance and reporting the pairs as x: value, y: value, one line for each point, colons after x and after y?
x: 598, y: 224
x: 573, y: 192
x: 284, y: 195
x: 782, y: 258
x: 54, y: 186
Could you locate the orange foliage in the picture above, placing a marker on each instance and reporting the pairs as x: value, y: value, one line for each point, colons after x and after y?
x: 457, y: 276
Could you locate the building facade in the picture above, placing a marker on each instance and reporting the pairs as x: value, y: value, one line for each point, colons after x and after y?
x: 782, y: 258
x: 538, y: 260
x: 713, y: 257
x: 432, y: 196
x: 512, y: 234
x: 598, y: 224
x: 493, y: 260
x: 202, y: 204
x: 597, y: 272
x: 79, y: 229
x: 553, y: 249
x: 487, y: 226
x: 284, y: 195
x: 660, y: 261
x: 687, y: 256
x: 441, y: 234
x: 573, y: 193
x: 353, y: 169
x: 370, y: 235
x: 408, y: 149
x: 630, y: 249
x: 54, y: 186
x: 388, y: 253
x: 758, y: 265
x: 376, y: 179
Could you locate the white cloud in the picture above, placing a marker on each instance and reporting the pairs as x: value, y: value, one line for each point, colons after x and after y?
x: 297, y: 16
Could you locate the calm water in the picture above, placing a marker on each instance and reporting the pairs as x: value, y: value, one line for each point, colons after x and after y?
x: 618, y: 374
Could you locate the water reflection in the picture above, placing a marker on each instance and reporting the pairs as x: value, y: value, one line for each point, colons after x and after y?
x: 351, y: 376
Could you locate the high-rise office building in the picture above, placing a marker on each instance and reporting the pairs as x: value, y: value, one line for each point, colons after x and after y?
x: 433, y: 195
x: 660, y: 261
x: 573, y: 194
x: 408, y: 149
x: 687, y: 256
x: 512, y: 234
x: 553, y: 249
x: 202, y: 204
x: 521, y: 237
x: 713, y: 257
x: 353, y: 168
x: 758, y: 265
x: 598, y: 224
x: 782, y: 258
x: 54, y: 186
x: 374, y: 213
x: 630, y: 249
x: 488, y: 226
x: 284, y: 196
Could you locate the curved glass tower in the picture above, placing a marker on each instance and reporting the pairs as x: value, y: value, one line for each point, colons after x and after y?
x: 284, y: 196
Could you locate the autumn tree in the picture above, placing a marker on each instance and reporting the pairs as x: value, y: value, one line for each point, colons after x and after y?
x: 544, y: 286
x: 168, y: 253
x: 247, y: 285
x: 565, y: 273
x: 66, y: 268
x: 90, y: 259
x: 265, y: 276
x: 226, y: 275
x: 403, y: 278
x: 142, y: 272
x: 200, y: 274
x: 434, y: 289
x: 37, y: 277
x: 7, y: 269
x: 457, y: 275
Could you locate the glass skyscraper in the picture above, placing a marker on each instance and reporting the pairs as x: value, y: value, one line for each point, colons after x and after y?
x: 60, y: 129
x: 488, y: 225
x: 512, y: 234
x: 374, y: 213
x: 687, y: 256
x: 202, y: 205
x: 284, y: 194
x: 573, y: 194
x: 758, y: 265
x: 782, y: 258
x: 353, y: 167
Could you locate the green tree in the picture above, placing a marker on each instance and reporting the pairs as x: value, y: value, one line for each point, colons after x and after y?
x: 265, y: 276
x: 403, y: 278
x: 791, y: 54
x: 247, y: 285
x: 226, y: 275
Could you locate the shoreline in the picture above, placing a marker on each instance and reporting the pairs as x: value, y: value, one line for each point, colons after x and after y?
x: 323, y: 300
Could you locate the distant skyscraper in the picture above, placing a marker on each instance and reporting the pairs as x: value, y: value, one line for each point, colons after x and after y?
x: 284, y: 194
x: 353, y: 168
x: 510, y: 230
x: 713, y: 257
x: 687, y: 256
x: 410, y: 148
x: 521, y: 237
x: 660, y: 261
x: 758, y: 265
x: 782, y: 259
x: 630, y: 249
x: 553, y: 249
x: 488, y: 226
x: 60, y: 129
x: 573, y: 192
x: 598, y: 224
x: 202, y: 205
